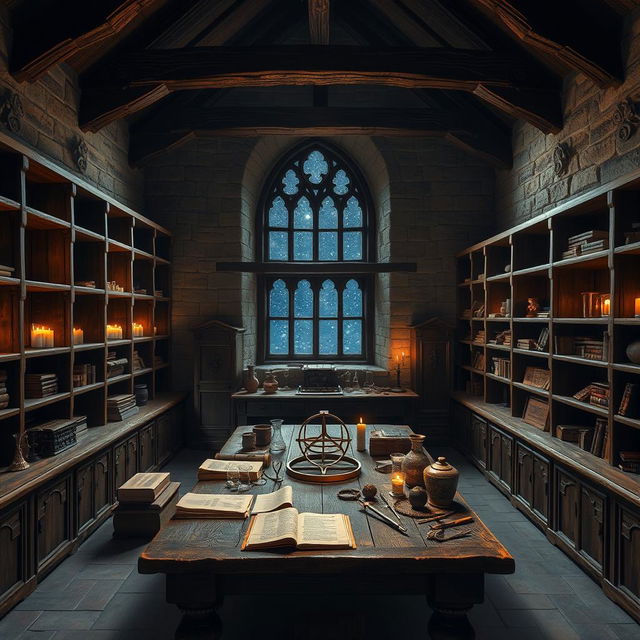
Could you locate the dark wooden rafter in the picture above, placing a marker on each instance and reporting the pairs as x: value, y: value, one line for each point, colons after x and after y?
x: 319, y: 23
x: 590, y: 45
x: 492, y: 76
x: 405, y: 23
x: 65, y: 33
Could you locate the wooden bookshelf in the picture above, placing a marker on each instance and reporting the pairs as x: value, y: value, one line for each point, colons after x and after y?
x: 58, y: 233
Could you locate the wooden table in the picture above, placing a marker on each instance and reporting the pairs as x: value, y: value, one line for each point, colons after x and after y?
x: 203, y: 562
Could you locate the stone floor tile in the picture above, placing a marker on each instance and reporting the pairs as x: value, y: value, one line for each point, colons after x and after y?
x: 97, y: 598
x: 138, y: 611
x: 626, y: 631
x: 138, y: 583
x: 35, y: 635
x: 59, y: 620
x: 547, y: 584
x: 63, y: 599
x: 106, y: 571
x: 596, y: 632
x: 15, y: 622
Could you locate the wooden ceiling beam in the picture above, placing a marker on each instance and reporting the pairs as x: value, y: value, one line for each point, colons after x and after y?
x: 583, y: 36
x: 403, y: 21
x: 492, y: 76
x: 319, y: 21
x: 181, y: 126
x: 43, y: 38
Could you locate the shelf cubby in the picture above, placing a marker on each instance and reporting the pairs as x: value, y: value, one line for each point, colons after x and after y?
x: 498, y: 258
x: 119, y: 313
x: 143, y: 313
x: 48, y: 193
x: 89, y: 263
x: 119, y: 268
x: 9, y: 320
x: 162, y: 279
x: 161, y: 319
x: 497, y: 293
x: 627, y: 278
x: 47, y: 256
x: 50, y: 309
x: 531, y: 247
x: 529, y: 286
x: 88, y: 315
x: 143, y: 276
x: 570, y: 282
x: 162, y: 245
x: 92, y: 405
x: 9, y: 427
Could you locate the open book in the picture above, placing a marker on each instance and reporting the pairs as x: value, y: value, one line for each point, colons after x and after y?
x: 213, y: 505
x: 273, y: 501
x: 217, y: 469
x: 288, y: 528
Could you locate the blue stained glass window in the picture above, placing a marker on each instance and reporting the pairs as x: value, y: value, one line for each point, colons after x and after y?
x: 278, y: 337
x: 352, y: 245
x: 303, y: 337
x: 303, y: 300
x: 303, y: 214
x: 303, y: 245
x: 278, y: 245
x: 340, y: 182
x: 328, y: 215
x: 315, y: 166
x: 290, y: 182
x: 328, y: 300
x: 328, y: 245
x: 352, y: 336
x: 352, y: 300
x: 328, y: 336
x: 279, y: 300
x: 278, y: 214
x: 352, y: 215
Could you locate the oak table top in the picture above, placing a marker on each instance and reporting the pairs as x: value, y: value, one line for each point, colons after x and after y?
x: 191, y: 552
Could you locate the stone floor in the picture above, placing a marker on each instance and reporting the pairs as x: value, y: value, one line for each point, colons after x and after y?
x: 98, y: 594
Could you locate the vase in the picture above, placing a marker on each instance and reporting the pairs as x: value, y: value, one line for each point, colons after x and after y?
x: 251, y: 382
x: 633, y: 352
x: 277, y: 441
x: 441, y: 481
x: 270, y: 384
x: 141, y: 394
x: 415, y: 461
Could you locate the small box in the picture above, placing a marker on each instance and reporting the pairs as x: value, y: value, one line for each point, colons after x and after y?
x: 392, y: 439
x: 140, y: 520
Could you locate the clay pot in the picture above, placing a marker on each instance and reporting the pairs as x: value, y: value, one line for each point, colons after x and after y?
x: 441, y: 480
x: 415, y: 461
x: 251, y: 382
x: 418, y: 497
x: 263, y: 434
x: 270, y: 384
x: 633, y: 352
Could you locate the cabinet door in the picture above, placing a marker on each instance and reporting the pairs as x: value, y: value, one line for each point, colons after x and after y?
x: 84, y: 496
x: 147, y: 447
x: 494, y: 460
x: 479, y: 448
x: 567, y: 505
x: 592, y: 519
x: 53, y: 510
x: 524, y: 475
x: 541, y: 487
x: 119, y: 465
x: 131, y: 459
x: 164, y: 438
x: 506, y: 463
x: 14, y: 547
x: 629, y: 555
x: 102, y: 484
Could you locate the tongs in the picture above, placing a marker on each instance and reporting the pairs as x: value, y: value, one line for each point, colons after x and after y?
x: 387, y: 519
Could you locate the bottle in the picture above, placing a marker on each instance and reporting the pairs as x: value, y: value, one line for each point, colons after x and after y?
x: 414, y: 463
x: 277, y: 442
x: 251, y: 382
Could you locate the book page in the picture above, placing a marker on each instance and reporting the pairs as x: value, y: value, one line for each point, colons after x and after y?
x: 274, y: 526
x: 272, y: 501
x: 215, y: 502
x: 323, y: 529
x: 222, y: 466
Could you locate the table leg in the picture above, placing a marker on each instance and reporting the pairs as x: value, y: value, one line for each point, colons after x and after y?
x: 198, y: 597
x: 450, y: 624
x: 199, y: 622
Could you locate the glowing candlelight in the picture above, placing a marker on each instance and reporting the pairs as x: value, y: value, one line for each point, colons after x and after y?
x: 361, y: 436
x: 42, y: 337
x: 605, y: 310
x: 78, y: 336
x: 637, y: 308
x: 114, y: 332
x: 397, y: 484
x: 138, y: 330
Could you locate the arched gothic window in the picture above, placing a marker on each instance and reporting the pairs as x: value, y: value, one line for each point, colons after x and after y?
x: 315, y: 225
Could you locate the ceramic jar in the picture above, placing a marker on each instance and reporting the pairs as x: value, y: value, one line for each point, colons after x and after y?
x: 441, y: 481
x: 263, y: 434
x: 414, y: 463
x: 141, y: 393
x: 251, y: 382
x: 633, y: 352
x: 270, y: 384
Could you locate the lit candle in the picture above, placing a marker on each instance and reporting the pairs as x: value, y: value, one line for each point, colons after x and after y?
x: 637, y: 308
x: 397, y: 485
x: 138, y: 330
x: 49, y: 338
x: 41, y: 337
x: 361, y: 436
x: 606, y: 305
x: 78, y: 336
x: 114, y: 332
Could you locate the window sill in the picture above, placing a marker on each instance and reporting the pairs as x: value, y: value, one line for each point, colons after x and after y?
x: 339, y: 367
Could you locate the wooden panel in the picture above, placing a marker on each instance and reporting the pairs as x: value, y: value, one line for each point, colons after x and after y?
x: 120, y: 464
x: 131, y: 458
x: 629, y: 554
x: 541, y: 487
x: 85, y: 510
x: 13, y: 550
x: 494, y: 459
x: 592, y: 518
x: 506, y: 464
x: 164, y: 438
x: 148, y: 447
x: 524, y: 474
x: 567, y: 497
x: 479, y: 440
x: 102, y: 483
x: 53, y: 515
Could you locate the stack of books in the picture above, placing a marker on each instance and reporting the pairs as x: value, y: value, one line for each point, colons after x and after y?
x: 480, y: 337
x: 115, y: 366
x: 526, y: 343
x: 583, y: 346
x: 89, y: 284
x: 630, y: 461
x: 502, y: 367
x: 146, y: 502
x: 584, y: 243
x: 137, y: 362
x: 121, y: 407
x: 40, y: 385
x: 5, y: 271
x: 580, y: 435
x: 596, y: 393
x: 84, y: 374
x: 629, y: 403
x: 503, y: 338
x: 55, y: 436
x: 4, y: 393
x: 634, y: 235
x: 213, y: 469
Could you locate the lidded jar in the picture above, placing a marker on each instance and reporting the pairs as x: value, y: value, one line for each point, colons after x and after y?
x: 414, y: 463
x: 270, y: 383
x: 441, y: 481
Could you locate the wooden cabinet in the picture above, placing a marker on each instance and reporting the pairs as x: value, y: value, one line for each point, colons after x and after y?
x: 532, y: 481
x: 593, y: 507
x: 479, y: 440
x: 53, y: 522
x: 506, y: 465
x: 148, y: 447
x: 494, y: 457
x: 131, y: 458
x: 85, y: 510
x: 499, y: 458
x: 628, y: 552
x: 119, y: 464
x: 15, y: 568
x: 102, y: 494
x: 164, y: 438
x: 567, y: 500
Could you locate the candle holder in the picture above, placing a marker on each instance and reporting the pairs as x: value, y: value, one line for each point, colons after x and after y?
x: 605, y: 304
x: 400, y: 361
x: 397, y: 485
x: 78, y: 336
x: 590, y: 304
x: 636, y: 308
x: 42, y: 337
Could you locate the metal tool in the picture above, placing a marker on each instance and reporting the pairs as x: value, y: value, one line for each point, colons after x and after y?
x: 387, y: 519
x: 395, y: 513
x: 434, y: 518
x: 277, y: 467
x: 438, y: 535
x: 348, y: 494
x: 453, y: 523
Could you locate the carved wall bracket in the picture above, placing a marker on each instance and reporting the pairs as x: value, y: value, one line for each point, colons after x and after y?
x: 626, y: 118
x: 561, y: 158
x: 80, y: 154
x: 11, y: 112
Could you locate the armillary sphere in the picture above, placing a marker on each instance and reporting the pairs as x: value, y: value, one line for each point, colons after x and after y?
x: 324, y: 450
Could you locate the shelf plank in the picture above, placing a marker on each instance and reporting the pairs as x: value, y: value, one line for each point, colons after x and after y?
x: 53, y: 351
x: 139, y: 254
x: 6, y: 281
x: 87, y: 235
x: 493, y: 376
x: 88, y: 290
x: 597, y: 260
x: 9, y: 357
x: 630, y: 249
x: 88, y: 346
x: 629, y: 422
x: 530, y: 389
x: 142, y: 372
x: 87, y: 387
x: 34, y: 285
x: 41, y: 220
x: 530, y: 320
x: 529, y: 352
x: 582, y: 361
x: 9, y: 412
x: 590, y: 408
x: 7, y: 204
x: 540, y: 268
x: 124, y: 376
x: 627, y: 367
x: 499, y: 347
x: 115, y: 246
x: 580, y: 320
x: 36, y: 403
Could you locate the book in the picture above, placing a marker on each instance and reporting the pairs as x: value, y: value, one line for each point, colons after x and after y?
x: 143, y: 487
x: 629, y: 401
x: 537, y: 377
x: 280, y: 499
x: 212, y: 469
x: 213, y: 505
x: 288, y: 528
x: 141, y: 519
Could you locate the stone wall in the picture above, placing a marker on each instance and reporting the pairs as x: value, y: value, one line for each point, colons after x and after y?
x: 50, y: 126
x: 597, y: 154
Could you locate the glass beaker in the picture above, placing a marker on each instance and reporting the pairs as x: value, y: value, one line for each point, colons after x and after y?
x: 233, y: 477
x: 396, y: 462
x: 245, y: 478
x: 590, y: 304
x: 277, y: 442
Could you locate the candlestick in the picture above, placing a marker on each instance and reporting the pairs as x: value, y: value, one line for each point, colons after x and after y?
x: 605, y: 308
x: 361, y: 436
x: 138, y: 330
x: 42, y: 337
x: 114, y: 332
x: 78, y: 336
x: 637, y: 308
x: 397, y: 485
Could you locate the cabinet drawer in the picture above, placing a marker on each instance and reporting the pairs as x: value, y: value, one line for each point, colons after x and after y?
x: 628, y: 552
x: 567, y: 501
x: 53, y: 521
x: 592, y: 518
x: 85, y: 509
x: 14, y: 550
x: 148, y: 447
